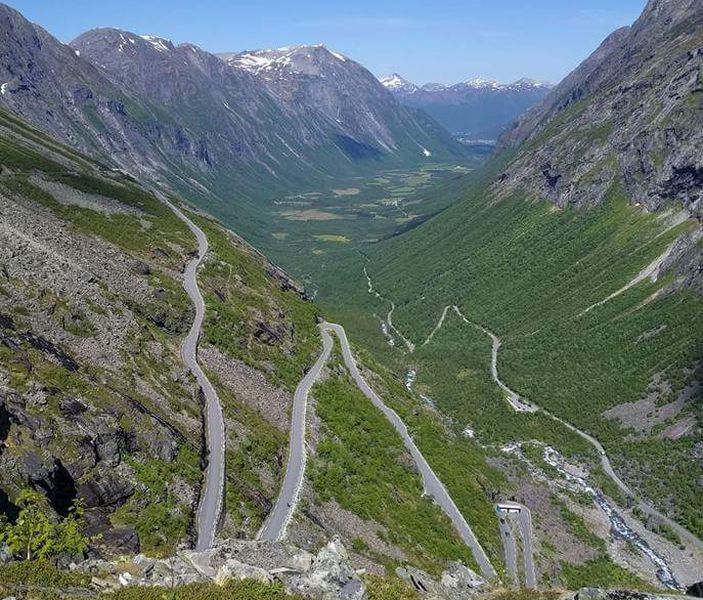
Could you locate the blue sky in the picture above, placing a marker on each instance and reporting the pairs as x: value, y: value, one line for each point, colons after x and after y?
x: 431, y: 40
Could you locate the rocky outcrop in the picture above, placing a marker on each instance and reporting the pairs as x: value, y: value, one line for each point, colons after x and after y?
x: 629, y: 119
x: 326, y: 575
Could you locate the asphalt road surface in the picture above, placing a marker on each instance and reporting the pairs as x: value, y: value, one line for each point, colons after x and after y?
x: 433, y: 486
x: 510, y: 547
x: 274, y: 528
x: 523, y: 519
x: 210, y: 507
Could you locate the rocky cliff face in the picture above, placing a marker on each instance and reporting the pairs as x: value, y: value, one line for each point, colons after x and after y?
x: 630, y: 115
x: 629, y: 118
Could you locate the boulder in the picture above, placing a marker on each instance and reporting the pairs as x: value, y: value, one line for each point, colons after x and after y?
x: 330, y: 576
x: 458, y: 582
x: 233, y: 569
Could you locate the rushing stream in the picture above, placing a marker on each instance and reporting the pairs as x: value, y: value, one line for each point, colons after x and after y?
x: 618, y: 525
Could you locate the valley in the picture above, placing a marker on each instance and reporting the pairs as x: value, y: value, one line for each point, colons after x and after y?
x: 264, y: 322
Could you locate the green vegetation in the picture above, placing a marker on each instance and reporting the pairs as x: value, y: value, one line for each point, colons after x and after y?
x: 151, y: 235
x: 361, y: 463
x: 247, y: 589
x: 253, y: 465
x: 158, y: 514
x: 458, y: 462
x: 39, y: 573
x: 528, y: 271
x: 34, y: 535
x: 601, y: 572
x: 251, y: 315
x: 581, y: 531
x: 386, y: 588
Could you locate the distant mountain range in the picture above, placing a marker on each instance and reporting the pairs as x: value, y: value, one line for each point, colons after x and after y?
x: 474, y: 109
x: 213, y: 129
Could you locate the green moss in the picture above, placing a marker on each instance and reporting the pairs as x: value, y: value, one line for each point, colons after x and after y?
x: 362, y: 464
x: 39, y: 573
x: 601, y: 572
x: 247, y: 589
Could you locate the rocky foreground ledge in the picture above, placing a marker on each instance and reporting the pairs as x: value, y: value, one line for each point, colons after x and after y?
x: 327, y: 575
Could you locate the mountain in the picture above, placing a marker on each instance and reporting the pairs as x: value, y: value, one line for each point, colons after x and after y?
x: 626, y: 116
x: 580, y: 249
x: 331, y: 91
x: 210, y: 130
x: 475, y: 109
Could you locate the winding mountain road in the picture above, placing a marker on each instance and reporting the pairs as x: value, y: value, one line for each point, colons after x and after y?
x: 210, y: 507
x: 275, y: 526
x: 524, y: 523
x: 513, y: 398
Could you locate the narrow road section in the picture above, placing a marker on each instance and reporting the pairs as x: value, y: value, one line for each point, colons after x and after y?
x: 433, y: 486
x: 517, y: 513
x: 510, y: 548
x: 210, y: 507
x: 276, y: 524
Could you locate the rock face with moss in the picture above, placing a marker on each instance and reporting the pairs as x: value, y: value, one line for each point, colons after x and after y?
x: 630, y: 112
x: 96, y: 404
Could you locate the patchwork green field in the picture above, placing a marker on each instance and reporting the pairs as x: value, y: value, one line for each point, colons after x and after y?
x: 311, y: 231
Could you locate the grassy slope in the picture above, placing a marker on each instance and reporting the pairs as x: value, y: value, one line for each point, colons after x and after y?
x: 361, y: 462
x: 527, y: 270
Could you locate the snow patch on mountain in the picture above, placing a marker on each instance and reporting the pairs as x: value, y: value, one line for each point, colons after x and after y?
x: 395, y: 82
x: 159, y: 44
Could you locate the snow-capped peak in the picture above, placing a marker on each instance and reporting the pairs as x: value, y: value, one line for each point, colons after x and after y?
x: 290, y: 57
x: 526, y: 83
x: 159, y: 44
x: 395, y: 82
x: 479, y: 83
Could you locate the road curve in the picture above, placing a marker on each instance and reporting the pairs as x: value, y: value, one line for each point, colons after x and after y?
x: 510, y: 547
x: 274, y: 528
x: 433, y: 486
x: 210, y: 507
x: 514, y: 399
x: 521, y: 405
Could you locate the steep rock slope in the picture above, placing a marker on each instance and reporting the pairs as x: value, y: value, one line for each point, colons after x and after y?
x: 95, y: 402
x: 478, y: 108
x: 330, y: 91
x: 627, y: 114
